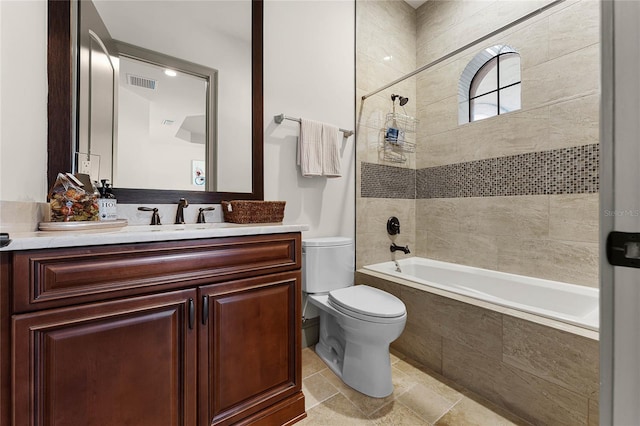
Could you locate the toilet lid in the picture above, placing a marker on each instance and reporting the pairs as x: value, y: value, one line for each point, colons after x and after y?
x: 365, y: 300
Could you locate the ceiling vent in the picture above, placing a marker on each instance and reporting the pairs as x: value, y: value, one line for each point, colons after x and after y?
x: 136, y: 80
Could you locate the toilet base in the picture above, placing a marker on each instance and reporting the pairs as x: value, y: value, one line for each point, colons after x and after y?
x: 364, y: 367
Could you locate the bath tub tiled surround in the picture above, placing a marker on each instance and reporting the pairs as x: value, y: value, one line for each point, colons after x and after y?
x: 542, y: 374
x: 518, y: 192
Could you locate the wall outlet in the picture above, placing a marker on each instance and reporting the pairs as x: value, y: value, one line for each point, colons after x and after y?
x: 85, y: 167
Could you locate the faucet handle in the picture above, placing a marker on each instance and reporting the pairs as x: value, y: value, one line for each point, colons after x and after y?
x: 155, y: 217
x: 201, y: 211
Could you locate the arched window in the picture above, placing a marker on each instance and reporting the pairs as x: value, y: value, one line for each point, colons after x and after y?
x: 490, y: 84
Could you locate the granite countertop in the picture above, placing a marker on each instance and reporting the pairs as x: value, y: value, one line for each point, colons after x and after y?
x: 142, y: 233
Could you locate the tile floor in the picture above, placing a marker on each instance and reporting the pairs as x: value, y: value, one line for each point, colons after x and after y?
x: 420, y: 397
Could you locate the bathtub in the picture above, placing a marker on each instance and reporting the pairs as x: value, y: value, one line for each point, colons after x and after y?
x: 528, y: 345
x: 565, y: 303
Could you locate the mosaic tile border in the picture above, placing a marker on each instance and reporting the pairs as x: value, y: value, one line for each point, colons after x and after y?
x: 560, y: 171
x: 381, y: 181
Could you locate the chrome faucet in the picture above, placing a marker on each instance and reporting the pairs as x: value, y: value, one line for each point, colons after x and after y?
x: 180, y: 212
x: 395, y: 247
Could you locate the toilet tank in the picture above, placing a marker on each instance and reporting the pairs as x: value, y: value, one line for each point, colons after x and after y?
x: 327, y: 264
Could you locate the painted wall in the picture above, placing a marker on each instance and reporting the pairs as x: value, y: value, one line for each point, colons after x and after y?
x: 308, y: 72
x: 23, y: 85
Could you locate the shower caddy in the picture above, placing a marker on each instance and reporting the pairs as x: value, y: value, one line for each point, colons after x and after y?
x: 399, y: 134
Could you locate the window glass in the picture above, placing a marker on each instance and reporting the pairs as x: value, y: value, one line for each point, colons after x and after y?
x: 509, y: 69
x: 510, y: 98
x: 484, y: 106
x: 486, y: 79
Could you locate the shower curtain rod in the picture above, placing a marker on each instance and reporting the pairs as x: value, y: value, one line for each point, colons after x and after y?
x: 466, y: 46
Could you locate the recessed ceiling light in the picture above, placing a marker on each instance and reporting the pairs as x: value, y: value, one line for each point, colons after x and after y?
x: 170, y: 73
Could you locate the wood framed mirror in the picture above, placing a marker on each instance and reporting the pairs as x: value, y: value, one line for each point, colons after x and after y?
x: 62, y: 116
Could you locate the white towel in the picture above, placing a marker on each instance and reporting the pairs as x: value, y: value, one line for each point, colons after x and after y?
x: 330, y: 151
x: 310, y: 148
x: 318, y: 150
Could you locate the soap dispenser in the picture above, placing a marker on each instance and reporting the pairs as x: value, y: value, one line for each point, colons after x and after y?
x: 107, y: 202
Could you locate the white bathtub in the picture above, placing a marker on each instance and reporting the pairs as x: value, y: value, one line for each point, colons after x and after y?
x: 568, y: 303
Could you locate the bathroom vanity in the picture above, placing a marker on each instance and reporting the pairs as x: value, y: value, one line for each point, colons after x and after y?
x: 187, y: 328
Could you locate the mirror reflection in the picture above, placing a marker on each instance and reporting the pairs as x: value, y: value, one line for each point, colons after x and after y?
x: 167, y: 131
x: 161, y: 119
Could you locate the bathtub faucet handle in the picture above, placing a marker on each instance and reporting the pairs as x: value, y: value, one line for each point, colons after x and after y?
x: 394, y: 247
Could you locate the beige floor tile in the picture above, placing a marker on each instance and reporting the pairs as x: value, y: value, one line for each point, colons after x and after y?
x: 337, y: 410
x: 431, y: 380
x: 397, y: 414
x: 368, y: 405
x: 470, y: 413
x: 311, y: 363
x: 426, y: 402
x: 316, y: 389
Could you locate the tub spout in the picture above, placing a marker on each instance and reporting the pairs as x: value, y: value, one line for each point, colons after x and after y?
x: 395, y: 247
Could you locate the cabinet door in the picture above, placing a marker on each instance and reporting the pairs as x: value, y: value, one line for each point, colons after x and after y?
x: 250, y: 347
x: 127, y: 362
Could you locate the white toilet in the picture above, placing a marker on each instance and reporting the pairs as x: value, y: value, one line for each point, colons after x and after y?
x: 357, y: 323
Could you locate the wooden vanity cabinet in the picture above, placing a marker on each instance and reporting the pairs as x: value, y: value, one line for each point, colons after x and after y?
x: 197, y: 332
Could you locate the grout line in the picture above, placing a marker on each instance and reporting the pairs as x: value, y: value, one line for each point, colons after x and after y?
x: 449, y: 409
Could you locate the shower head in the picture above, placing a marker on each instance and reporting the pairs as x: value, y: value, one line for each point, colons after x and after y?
x: 402, y: 99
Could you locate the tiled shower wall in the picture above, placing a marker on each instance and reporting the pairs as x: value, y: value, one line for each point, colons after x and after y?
x: 385, y: 50
x: 518, y: 192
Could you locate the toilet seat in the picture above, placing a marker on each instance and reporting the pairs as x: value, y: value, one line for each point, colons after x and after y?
x: 368, y: 304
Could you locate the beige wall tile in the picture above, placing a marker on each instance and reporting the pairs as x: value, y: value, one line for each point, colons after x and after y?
x: 570, y: 76
x: 531, y: 41
x: 530, y: 397
x: 387, y: 28
x: 373, y: 242
x: 440, y: 116
x: 439, y: 82
x: 564, y: 261
x: 514, y: 133
x: 471, y: 326
x: 574, y: 217
x: 418, y: 344
x: 594, y: 412
x: 476, y: 24
x: 463, y: 248
x: 517, y: 216
x: 439, y: 149
x: 439, y: 214
x: 563, y: 37
x: 559, y: 357
x: 575, y: 122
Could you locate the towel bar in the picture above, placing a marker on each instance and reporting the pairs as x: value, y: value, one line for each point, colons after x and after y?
x: 281, y: 117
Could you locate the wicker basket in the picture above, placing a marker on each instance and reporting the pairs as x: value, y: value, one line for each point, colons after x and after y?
x: 240, y: 211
